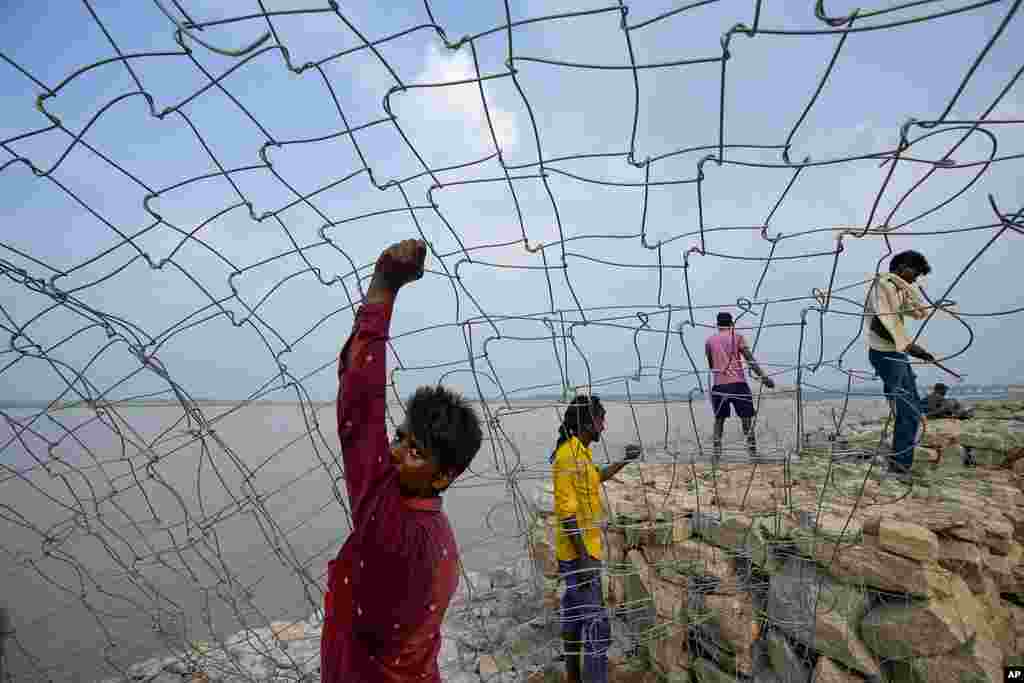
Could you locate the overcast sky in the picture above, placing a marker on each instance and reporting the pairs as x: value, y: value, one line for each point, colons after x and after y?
x: 223, y: 285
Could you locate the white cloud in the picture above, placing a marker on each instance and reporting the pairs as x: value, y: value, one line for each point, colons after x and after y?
x: 463, y: 101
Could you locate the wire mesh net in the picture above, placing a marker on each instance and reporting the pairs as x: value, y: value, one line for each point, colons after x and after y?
x: 194, y: 197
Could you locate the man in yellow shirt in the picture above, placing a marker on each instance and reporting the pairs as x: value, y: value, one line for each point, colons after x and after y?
x: 585, y: 628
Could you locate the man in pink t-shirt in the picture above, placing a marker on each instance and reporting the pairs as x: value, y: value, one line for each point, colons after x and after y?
x: 726, y: 351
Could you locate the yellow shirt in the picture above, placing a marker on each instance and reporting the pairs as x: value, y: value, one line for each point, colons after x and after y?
x: 577, y: 494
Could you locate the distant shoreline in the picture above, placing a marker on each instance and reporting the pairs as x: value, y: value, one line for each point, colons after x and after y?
x: 982, y: 392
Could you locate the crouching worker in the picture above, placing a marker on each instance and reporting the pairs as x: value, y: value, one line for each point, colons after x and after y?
x: 938, y: 406
x: 389, y: 587
x: 585, y: 629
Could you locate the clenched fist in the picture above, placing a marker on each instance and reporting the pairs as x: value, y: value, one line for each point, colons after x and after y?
x: 400, y: 264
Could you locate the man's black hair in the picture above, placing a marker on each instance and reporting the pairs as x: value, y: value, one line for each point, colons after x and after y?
x: 579, y: 415
x: 444, y: 422
x: 941, y: 388
x: 724, y: 319
x: 910, y: 259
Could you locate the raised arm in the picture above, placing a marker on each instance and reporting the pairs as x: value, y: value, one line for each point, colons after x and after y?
x: 362, y: 372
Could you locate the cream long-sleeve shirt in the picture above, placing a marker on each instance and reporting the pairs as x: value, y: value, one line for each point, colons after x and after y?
x: 891, y: 298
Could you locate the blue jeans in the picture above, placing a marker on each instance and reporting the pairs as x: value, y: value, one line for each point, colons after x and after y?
x: 585, y: 620
x: 900, y: 385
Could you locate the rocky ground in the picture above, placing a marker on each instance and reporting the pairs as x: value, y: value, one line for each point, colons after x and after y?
x: 496, y: 631
x: 823, y: 568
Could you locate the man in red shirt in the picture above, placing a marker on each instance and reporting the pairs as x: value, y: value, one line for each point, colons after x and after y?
x: 389, y: 587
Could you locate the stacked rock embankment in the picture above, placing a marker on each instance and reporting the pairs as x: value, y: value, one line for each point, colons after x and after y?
x: 821, y: 569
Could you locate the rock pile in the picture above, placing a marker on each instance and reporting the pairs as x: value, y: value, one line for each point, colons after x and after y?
x: 496, y: 631
x: 822, y: 569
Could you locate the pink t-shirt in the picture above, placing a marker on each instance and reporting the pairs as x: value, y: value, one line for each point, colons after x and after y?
x: 727, y: 363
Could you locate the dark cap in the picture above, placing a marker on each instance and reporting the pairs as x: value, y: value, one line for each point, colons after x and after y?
x: 725, y: 319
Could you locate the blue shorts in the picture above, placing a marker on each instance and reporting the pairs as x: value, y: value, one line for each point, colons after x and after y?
x: 736, y: 394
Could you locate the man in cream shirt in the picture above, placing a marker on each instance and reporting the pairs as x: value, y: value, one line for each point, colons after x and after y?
x: 892, y: 296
